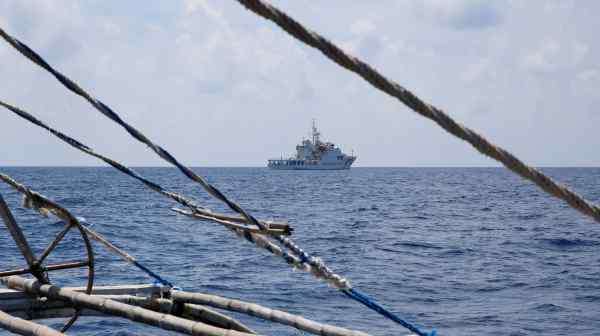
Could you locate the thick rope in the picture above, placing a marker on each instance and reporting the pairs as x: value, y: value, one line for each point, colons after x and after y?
x: 394, y: 89
x: 38, y: 202
x: 297, y: 258
x: 108, y: 112
x: 345, y: 287
x: 78, y: 145
x: 317, y: 264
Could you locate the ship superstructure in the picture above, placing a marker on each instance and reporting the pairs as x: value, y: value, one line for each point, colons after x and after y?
x: 314, y: 154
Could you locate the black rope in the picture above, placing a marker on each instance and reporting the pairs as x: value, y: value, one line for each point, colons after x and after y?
x: 108, y: 112
x: 80, y: 146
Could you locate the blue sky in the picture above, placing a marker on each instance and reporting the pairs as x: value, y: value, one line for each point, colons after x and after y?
x: 218, y: 86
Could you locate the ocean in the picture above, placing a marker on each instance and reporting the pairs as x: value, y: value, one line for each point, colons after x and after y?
x: 468, y: 251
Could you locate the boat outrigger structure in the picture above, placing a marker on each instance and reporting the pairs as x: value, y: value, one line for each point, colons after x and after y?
x: 315, y: 155
x: 37, y: 266
x: 160, y: 305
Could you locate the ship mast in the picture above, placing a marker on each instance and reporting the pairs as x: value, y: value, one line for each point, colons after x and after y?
x: 315, y: 133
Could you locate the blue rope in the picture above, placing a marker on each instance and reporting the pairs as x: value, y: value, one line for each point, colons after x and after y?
x: 367, y: 301
x: 152, y: 274
x: 133, y: 261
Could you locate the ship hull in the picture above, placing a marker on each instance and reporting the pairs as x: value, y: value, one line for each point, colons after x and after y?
x: 310, y: 168
x: 310, y: 165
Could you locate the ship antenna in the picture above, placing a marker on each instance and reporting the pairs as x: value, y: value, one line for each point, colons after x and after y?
x: 315, y: 133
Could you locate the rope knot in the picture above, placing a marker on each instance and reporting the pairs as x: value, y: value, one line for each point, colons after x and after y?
x: 32, y: 201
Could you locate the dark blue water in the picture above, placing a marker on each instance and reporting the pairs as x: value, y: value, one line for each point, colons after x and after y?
x: 471, y: 251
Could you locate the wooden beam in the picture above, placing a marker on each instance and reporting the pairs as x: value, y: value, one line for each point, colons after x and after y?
x: 137, y: 290
x: 233, y: 225
x: 32, y: 308
x: 112, y: 307
x: 265, y: 313
x: 16, y: 233
x: 22, y: 327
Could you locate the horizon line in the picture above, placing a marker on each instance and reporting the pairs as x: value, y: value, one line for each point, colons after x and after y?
x: 383, y: 166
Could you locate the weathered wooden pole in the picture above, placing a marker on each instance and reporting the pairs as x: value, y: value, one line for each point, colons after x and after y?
x: 16, y: 233
x: 23, y: 327
x: 189, y: 311
x: 227, y: 221
x: 31, y: 308
x: 265, y: 313
x: 112, y: 307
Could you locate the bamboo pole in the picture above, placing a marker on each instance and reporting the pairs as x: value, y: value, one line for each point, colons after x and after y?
x: 135, y: 290
x: 191, y: 311
x: 22, y: 327
x: 112, y: 307
x: 209, y: 316
x: 31, y: 308
x: 16, y: 233
x: 265, y: 313
x: 52, y: 313
x: 267, y: 223
x: 232, y: 225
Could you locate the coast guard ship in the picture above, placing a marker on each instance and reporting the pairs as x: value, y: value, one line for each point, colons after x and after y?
x: 315, y: 155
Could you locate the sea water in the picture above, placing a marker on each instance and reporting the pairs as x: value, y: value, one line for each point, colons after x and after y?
x: 469, y: 251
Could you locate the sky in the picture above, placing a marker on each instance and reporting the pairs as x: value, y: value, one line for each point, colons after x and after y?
x: 217, y: 85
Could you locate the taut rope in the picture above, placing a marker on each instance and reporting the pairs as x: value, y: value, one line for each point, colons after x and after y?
x: 108, y: 112
x: 394, y: 89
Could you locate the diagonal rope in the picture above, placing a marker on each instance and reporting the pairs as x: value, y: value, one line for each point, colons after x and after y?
x: 126, y: 256
x: 210, y: 215
x: 367, y: 301
x: 108, y: 112
x: 309, y: 265
x: 394, y: 89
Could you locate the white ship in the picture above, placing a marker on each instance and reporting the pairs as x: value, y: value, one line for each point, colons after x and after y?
x: 315, y: 155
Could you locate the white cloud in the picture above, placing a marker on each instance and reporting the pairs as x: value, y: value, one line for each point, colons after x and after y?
x: 580, y: 51
x: 362, y: 26
x: 463, y: 14
x: 544, y: 58
x: 367, y: 41
x: 588, y: 75
x: 475, y: 70
x: 111, y: 28
x: 192, y: 7
x: 552, y: 55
